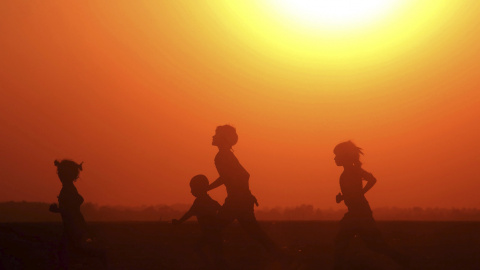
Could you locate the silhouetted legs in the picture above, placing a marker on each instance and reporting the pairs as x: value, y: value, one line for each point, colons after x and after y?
x: 250, y: 224
x: 82, y: 247
x: 211, y: 237
x: 364, y: 226
x: 244, y: 213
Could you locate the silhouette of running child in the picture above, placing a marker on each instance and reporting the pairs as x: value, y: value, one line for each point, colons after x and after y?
x: 75, y: 236
x: 240, y: 202
x: 205, y: 209
x: 358, y: 221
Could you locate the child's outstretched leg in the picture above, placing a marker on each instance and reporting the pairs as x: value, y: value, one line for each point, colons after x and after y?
x: 374, y: 240
x: 250, y: 224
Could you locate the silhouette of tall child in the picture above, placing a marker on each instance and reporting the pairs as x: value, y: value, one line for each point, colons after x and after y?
x: 240, y: 202
x: 205, y: 209
x: 358, y: 221
x: 75, y: 236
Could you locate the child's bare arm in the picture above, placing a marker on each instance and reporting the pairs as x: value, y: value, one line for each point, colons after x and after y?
x: 371, y: 180
x: 186, y: 216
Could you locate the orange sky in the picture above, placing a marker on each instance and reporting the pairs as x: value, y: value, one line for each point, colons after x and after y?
x: 135, y: 89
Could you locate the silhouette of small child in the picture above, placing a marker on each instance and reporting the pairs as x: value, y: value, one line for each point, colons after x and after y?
x: 358, y: 221
x: 75, y: 236
x: 205, y: 209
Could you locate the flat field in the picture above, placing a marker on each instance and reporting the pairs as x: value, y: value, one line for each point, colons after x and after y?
x: 159, y: 245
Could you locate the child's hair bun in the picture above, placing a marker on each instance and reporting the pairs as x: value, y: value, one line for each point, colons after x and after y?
x: 80, y: 167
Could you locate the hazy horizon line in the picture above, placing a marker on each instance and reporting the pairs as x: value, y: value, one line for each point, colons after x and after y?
x: 259, y: 207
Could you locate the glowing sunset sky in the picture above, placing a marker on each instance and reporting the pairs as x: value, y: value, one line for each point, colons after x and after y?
x: 135, y: 89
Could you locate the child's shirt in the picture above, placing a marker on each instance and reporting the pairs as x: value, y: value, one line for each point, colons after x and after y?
x: 351, y: 186
x: 205, y: 209
x: 69, y: 202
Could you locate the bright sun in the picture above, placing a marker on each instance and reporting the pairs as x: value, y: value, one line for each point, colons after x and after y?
x: 335, y: 14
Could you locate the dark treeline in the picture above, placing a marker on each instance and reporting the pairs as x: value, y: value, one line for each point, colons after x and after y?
x: 38, y: 212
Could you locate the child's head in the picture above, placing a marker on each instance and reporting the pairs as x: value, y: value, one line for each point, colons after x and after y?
x: 225, y: 136
x: 347, y: 153
x: 199, y: 185
x: 68, y: 170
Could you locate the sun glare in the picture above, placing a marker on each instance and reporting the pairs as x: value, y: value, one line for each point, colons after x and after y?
x: 335, y: 14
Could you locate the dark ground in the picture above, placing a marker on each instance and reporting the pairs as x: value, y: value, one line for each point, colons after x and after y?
x: 159, y: 245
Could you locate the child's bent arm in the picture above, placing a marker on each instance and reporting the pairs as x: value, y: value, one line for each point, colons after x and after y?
x: 371, y: 180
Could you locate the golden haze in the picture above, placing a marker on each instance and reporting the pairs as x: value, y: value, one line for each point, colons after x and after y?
x: 136, y: 90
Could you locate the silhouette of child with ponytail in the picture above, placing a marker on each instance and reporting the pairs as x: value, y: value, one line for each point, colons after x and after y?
x: 358, y: 221
x: 205, y: 209
x: 75, y: 236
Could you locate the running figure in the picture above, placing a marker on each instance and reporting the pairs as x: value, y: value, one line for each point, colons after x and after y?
x: 205, y: 209
x: 240, y: 202
x: 75, y: 236
x: 358, y: 221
